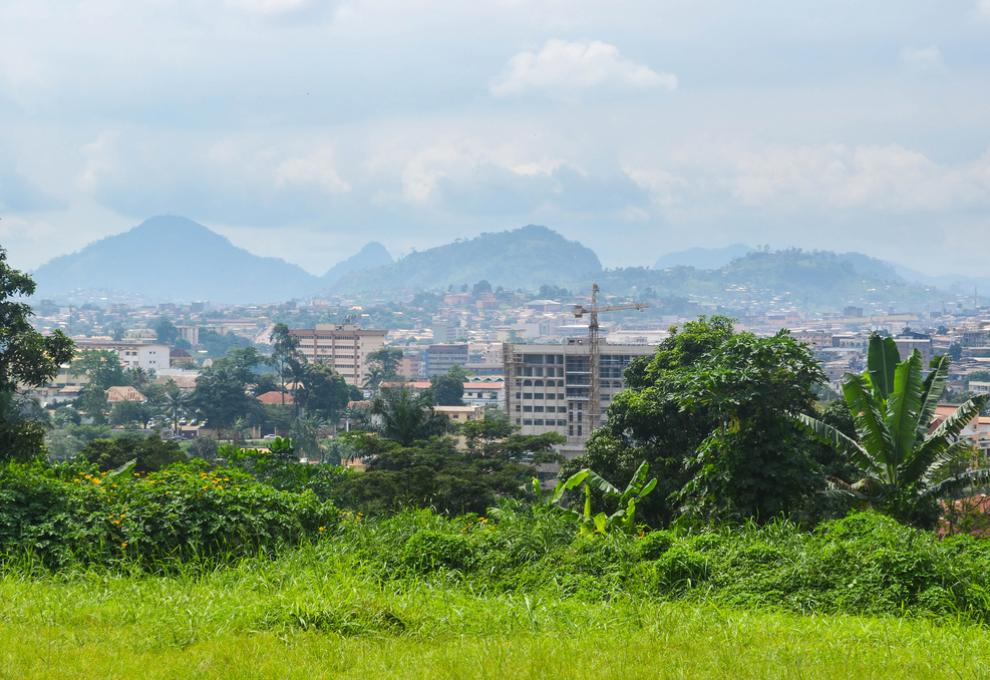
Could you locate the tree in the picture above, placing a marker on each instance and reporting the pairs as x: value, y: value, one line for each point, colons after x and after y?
x: 481, y: 288
x: 223, y: 391
x: 165, y: 331
x: 101, y: 367
x: 433, y: 474
x: 285, y: 351
x: 903, y: 458
x: 407, y: 417
x: 448, y: 389
x: 174, y: 404
x: 27, y: 358
x: 131, y: 413
x: 383, y: 365
x: 149, y: 453
x: 710, y: 413
x: 322, y: 392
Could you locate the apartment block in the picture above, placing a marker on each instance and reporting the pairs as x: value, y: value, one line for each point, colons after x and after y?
x: 547, y: 386
x: 146, y: 356
x: 343, y: 347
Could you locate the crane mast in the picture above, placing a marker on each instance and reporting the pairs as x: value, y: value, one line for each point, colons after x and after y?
x: 594, y: 350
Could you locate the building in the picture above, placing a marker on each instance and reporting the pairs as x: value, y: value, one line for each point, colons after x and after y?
x: 411, y: 365
x: 485, y: 393
x: 547, y: 385
x: 146, y: 356
x: 121, y: 393
x: 343, y: 347
x: 442, y: 358
x: 461, y: 414
x: 925, y: 347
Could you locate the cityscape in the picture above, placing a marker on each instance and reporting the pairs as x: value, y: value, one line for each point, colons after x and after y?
x: 510, y: 339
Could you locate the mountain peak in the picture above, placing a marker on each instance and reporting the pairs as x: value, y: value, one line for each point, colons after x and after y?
x: 371, y: 256
x: 169, y: 257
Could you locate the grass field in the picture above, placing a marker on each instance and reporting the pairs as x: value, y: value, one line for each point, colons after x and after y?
x: 298, y: 617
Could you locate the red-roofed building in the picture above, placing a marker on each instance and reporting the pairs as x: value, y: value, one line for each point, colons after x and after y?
x: 275, y: 398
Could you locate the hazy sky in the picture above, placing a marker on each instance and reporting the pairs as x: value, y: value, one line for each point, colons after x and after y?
x: 304, y: 128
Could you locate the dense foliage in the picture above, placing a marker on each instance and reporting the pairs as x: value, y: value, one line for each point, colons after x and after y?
x: 902, y: 455
x: 76, y: 513
x: 26, y: 358
x: 710, y: 413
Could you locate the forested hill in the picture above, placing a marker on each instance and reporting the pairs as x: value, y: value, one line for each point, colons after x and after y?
x: 817, y: 280
x: 171, y: 258
x: 522, y: 258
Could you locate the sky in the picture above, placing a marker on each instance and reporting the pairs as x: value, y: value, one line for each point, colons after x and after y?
x: 303, y: 129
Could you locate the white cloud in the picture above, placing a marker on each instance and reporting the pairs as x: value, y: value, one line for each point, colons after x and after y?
x: 837, y: 176
x: 312, y: 170
x: 274, y: 8
x: 923, y: 58
x: 563, y: 68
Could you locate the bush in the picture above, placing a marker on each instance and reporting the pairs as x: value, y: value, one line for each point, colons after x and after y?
x: 79, y: 514
x: 678, y: 569
x: 655, y: 544
x: 429, y: 550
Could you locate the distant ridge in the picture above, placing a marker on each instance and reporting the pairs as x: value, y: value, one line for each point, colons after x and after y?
x: 172, y: 258
x: 527, y: 257
x: 371, y: 256
x: 703, y: 258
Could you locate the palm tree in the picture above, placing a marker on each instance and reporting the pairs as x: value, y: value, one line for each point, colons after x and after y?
x: 905, y: 458
x: 175, y: 404
x: 407, y: 417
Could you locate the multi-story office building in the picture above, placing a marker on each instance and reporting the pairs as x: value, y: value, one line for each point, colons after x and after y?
x: 547, y: 386
x: 442, y: 358
x: 343, y: 347
x: 144, y: 355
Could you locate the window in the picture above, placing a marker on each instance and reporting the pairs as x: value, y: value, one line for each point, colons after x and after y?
x: 538, y: 409
x: 527, y: 409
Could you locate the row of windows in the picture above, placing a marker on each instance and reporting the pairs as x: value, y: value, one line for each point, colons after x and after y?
x: 542, y: 358
x: 539, y: 409
x: 539, y: 383
x: 541, y: 422
x: 539, y: 395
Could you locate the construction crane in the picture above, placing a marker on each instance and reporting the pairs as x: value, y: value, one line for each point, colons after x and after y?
x: 594, y: 351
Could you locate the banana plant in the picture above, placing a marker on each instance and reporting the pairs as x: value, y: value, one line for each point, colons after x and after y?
x: 903, y: 454
x: 624, y: 517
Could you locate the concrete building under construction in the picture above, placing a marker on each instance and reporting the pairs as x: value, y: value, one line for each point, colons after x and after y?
x: 548, y: 386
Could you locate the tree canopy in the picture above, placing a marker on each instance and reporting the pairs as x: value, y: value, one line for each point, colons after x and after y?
x: 710, y: 413
x: 27, y: 358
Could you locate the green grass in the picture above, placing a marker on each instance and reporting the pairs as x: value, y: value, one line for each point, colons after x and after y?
x: 312, y: 615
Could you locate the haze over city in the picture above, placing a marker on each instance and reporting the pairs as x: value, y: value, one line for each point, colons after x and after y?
x: 303, y: 129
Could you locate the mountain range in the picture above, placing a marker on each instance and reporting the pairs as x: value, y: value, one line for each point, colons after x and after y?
x: 170, y: 258
x: 174, y: 259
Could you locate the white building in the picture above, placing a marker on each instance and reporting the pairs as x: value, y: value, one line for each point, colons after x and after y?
x: 146, y: 356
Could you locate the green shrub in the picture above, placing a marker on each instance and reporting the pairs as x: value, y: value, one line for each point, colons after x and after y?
x: 76, y: 513
x: 679, y: 569
x: 655, y: 544
x: 428, y: 550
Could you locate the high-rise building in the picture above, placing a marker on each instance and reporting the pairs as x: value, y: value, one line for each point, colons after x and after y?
x: 442, y: 358
x: 343, y: 347
x: 547, y: 386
